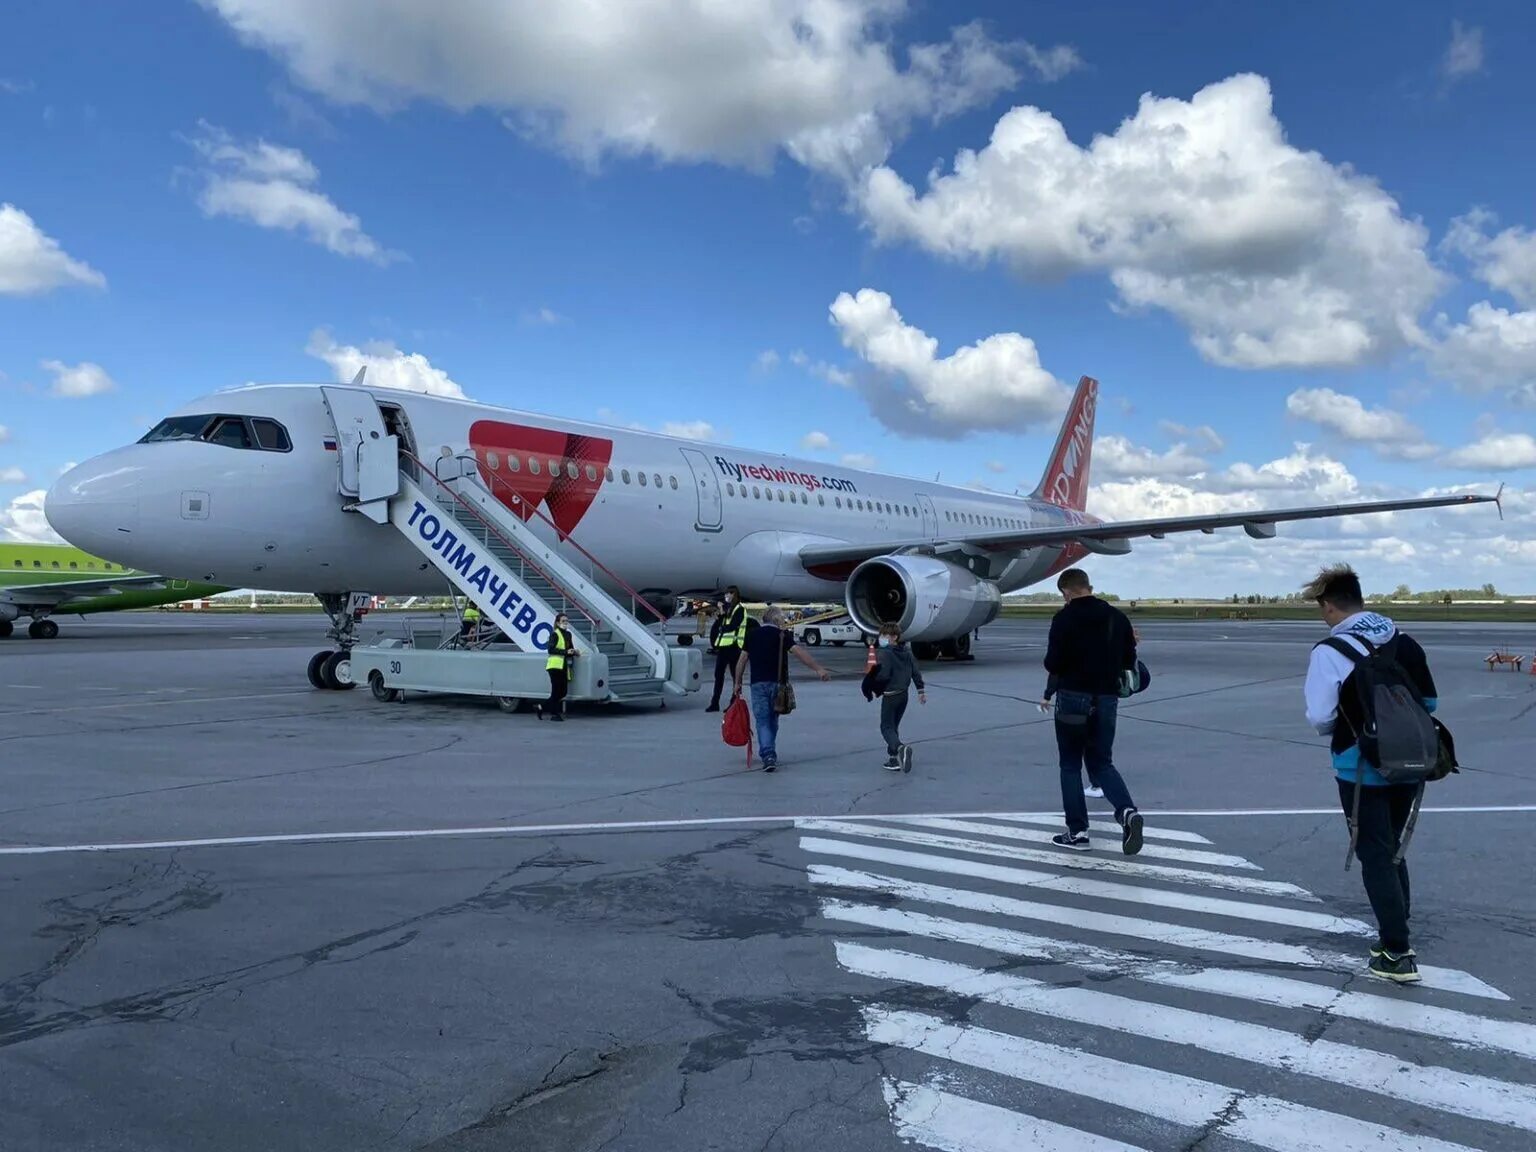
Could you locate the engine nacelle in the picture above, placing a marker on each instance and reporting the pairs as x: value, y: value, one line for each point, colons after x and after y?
x: 8, y: 612
x: 928, y: 598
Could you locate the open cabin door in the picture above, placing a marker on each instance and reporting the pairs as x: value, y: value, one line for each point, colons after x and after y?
x: 368, y: 455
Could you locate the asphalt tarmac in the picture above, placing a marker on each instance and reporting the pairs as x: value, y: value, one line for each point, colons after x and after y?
x: 238, y: 913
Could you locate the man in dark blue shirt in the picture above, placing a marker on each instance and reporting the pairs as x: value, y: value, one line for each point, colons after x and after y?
x: 766, y: 653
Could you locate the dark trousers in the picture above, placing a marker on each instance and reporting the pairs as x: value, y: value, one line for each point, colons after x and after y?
x: 893, y: 705
x: 725, y: 665
x: 1383, y: 815
x: 1089, y: 744
x: 559, y: 681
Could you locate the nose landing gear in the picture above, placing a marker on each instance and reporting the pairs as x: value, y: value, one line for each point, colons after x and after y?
x: 331, y: 669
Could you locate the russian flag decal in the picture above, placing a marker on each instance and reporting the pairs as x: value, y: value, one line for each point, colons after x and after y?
x: 330, y: 444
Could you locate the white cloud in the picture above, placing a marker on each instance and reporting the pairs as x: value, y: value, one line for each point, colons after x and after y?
x: 32, y: 262
x: 816, y: 442
x: 996, y: 383
x: 1494, y: 350
x: 689, y: 429
x: 543, y: 317
x: 5, y: 433
x: 821, y: 369
x: 681, y: 80
x: 859, y: 460
x: 271, y: 186
x: 996, y: 466
x: 13, y: 87
x: 1390, y: 433
x: 1207, y: 436
x: 1464, y: 54
x: 1499, y: 452
x: 1117, y: 456
x: 766, y: 361
x: 388, y: 367
x: 1271, y: 257
x: 83, y: 379
x: 22, y: 519
x: 1303, y: 473
x: 12, y: 475
x: 1505, y: 262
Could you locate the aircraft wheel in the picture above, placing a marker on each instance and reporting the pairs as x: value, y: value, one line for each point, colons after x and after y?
x: 317, y: 669
x: 337, y: 671
x: 6, y: 628
x: 963, y: 647
x: 925, y: 650
x: 813, y: 637
x: 43, y: 630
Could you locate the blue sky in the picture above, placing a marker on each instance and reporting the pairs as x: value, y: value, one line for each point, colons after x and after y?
x: 1316, y: 231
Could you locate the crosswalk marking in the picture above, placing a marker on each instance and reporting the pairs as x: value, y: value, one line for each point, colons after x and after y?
x: 1064, y: 1037
x: 956, y: 1124
x: 1176, y: 935
x: 1257, y: 1119
x: 1107, y: 828
x: 1148, y: 851
x: 1475, y: 1097
x: 1258, y: 987
x: 1078, y: 886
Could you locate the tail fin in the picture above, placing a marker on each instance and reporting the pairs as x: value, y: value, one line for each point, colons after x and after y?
x: 1065, y: 482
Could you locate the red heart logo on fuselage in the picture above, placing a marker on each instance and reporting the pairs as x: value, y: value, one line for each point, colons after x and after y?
x: 536, y: 465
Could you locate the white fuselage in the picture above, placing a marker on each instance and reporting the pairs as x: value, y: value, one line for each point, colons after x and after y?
x: 275, y: 520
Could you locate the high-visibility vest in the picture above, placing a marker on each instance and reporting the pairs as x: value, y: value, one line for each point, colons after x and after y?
x: 472, y: 613
x: 556, y: 659
x: 733, y: 628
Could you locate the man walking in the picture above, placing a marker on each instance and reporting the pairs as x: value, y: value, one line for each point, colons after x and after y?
x: 1384, y: 808
x: 766, y: 653
x: 730, y: 637
x: 1091, y: 645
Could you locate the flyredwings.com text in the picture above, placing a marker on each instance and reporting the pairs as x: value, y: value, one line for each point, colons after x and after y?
x: 767, y: 475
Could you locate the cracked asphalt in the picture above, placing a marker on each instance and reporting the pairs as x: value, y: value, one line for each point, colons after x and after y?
x: 659, y: 986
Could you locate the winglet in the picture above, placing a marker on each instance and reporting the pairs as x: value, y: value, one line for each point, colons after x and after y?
x: 1498, y: 500
x: 357, y: 381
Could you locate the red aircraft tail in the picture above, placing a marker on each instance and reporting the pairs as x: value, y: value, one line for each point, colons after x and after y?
x: 1065, y: 482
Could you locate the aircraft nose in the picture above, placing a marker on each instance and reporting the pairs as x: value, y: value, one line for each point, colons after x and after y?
x: 95, y: 505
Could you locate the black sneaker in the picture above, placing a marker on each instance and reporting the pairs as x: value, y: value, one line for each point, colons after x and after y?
x: 770, y: 764
x: 892, y: 764
x: 1400, y: 969
x: 1130, y: 842
x: 1077, y: 841
x: 713, y: 708
x: 1379, y: 949
x: 906, y: 757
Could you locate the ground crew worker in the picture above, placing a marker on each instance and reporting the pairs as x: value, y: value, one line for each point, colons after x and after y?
x: 562, y: 650
x: 471, y: 622
x: 730, y: 632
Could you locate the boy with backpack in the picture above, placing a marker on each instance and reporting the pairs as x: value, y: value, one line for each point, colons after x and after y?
x: 1369, y: 687
x: 891, y: 678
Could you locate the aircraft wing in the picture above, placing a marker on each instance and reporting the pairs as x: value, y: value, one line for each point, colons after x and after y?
x: 1113, y: 539
x: 63, y: 592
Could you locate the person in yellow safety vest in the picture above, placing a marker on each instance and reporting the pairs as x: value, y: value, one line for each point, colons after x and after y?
x: 730, y: 633
x: 471, y: 621
x: 562, y: 650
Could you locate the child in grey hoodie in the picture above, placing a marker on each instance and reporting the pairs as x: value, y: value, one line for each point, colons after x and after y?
x: 895, y: 671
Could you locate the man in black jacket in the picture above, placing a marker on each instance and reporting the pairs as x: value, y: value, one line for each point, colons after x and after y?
x: 1091, y: 645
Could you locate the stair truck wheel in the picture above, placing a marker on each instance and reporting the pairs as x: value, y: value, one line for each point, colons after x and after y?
x: 813, y: 637
x: 382, y: 692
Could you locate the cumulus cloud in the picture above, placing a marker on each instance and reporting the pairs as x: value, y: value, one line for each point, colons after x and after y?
x: 83, y: 379
x: 12, y: 475
x: 1498, y: 452
x: 31, y: 262
x: 996, y: 383
x: 1270, y: 256
x: 388, y: 367
x: 680, y: 80
x: 997, y: 467
x: 766, y: 361
x: 22, y: 519
x: 816, y: 442
x: 821, y: 369
x: 689, y: 429
x: 1505, y: 261
x: 1390, y: 433
x: 272, y: 186
x: 1493, y: 350
x: 1117, y: 456
x: 859, y: 460
x: 1464, y: 54
x: 543, y: 317
x: 1204, y: 434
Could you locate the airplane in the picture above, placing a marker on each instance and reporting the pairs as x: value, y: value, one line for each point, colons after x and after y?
x: 243, y: 487
x: 39, y: 580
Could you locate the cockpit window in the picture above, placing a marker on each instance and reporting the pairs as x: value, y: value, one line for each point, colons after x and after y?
x: 227, y: 431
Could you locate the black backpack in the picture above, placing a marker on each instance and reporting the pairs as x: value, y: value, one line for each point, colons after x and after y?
x: 1397, y: 736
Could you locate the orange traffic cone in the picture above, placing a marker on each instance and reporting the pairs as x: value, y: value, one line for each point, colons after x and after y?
x: 869, y: 663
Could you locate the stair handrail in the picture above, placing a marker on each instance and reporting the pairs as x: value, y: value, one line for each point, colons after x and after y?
x: 558, y: 585
x: 569, y: 539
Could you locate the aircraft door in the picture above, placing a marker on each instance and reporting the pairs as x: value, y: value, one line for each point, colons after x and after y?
x: 707, y: 485
x: 368, y: 454
x: 930, y: 517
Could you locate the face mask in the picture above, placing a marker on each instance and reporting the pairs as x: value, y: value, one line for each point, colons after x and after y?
x: 885, y: 641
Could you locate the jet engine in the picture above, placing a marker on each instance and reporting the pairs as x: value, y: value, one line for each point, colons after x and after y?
x: 8, y: 612
x: 930, y: 599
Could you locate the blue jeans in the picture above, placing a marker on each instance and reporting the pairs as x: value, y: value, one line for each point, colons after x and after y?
x: 1092, y: 744
x: 767, y: 721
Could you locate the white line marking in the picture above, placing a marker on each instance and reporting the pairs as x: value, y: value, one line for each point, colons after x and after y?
x: 615, y: 825
x: 1082, y: 886
x: 1450, y: 1090
x: 942, y: 1120
x: 1030, y: 836
x: 1174, y: 935
x: 1106, y: 827
x: 1265, y: 1121
x: 1078, y: 862
x: 1257, y: 987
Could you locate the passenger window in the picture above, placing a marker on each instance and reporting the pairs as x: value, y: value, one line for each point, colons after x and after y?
x: 608, y: 475
x: 514, y: 463
x: 231, y: 433
x: 821, y: 500
x: 730, y: 489
x: 271, y: 436
x: 591, y: 474
x: 656, y: 476
x: 72, y: 564
x: 626, y: 475
x: 533, y: 465
x: 37, y: 563
x: 757, y: 493
x: 572, y: 470
x: 55, y: 563
x: 673, y: 481
x: 642, y: 479
x: 781, y: 495
x: 494, y: 461
x: 18, y: 563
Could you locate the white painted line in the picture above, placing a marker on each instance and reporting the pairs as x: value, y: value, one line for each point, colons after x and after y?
x: 1117, y: 865
x: 1029, y: 836
x: 609, y: 826
x: 940, y: 1119
x: 1447, y: 1089
x: 1388, y: 1011
x: 1109, y: 828
x: 1264, y: 1121
x: 1174, y: 935
x: 1081, y: 886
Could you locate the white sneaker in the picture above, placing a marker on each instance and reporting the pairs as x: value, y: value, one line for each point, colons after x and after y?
x: 1095, y: 791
